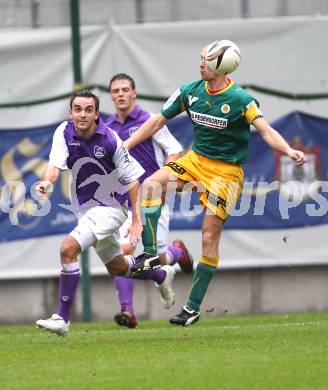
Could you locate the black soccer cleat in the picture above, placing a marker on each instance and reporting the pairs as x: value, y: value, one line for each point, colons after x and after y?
x: 145, y: 262
x: 186, y: 317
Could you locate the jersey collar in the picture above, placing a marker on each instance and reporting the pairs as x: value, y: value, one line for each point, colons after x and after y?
x: 101, y: 128
x: 134, y: 114
x: 218, y: 91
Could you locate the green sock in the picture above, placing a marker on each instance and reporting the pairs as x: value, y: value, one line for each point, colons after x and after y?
x: 150, y: 217
x: 202, y: 277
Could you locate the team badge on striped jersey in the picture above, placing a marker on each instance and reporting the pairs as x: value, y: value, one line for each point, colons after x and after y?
x: 99, y: 151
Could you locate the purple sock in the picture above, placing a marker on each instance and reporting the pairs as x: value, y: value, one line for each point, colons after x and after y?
x: 157, y: 275
x: 67, y: 288
x: 174, y: 253
x: 124, y: 287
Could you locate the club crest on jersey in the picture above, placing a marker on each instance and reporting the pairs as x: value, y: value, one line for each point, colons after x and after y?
x: 192, y: 99
x: 99, y: 151
x: 225, y: 108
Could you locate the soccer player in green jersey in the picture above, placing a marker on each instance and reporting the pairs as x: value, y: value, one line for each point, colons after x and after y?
x: 221, y: 112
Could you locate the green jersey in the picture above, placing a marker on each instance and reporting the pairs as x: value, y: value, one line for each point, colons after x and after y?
x: 221, y: 119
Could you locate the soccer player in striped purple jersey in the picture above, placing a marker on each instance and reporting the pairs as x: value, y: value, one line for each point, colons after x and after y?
x: 151, y: 154
x: 103, y: 175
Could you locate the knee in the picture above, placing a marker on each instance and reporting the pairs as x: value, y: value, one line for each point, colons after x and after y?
x: 151, y: 188
x: 127, y: 249
x: 68, y: 252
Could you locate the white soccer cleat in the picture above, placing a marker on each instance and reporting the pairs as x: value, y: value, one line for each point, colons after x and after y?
x: 54, y: 324
x: 165, y: 289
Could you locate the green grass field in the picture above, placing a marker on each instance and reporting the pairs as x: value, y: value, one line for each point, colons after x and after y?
x: 258, y: 352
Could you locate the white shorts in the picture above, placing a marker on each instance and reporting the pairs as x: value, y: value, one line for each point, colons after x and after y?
x: 162, y: 229
x: 99, y: 227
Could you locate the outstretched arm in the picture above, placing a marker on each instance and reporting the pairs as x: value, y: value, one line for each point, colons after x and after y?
x: 147, y: 130
x: 50, y: 177
x: 276, y: 141
x: 57, y: 160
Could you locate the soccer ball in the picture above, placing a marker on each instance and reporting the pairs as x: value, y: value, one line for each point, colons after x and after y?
x: 222, y: 57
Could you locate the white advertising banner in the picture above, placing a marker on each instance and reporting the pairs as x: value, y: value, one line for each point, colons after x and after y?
x: 283, y: 54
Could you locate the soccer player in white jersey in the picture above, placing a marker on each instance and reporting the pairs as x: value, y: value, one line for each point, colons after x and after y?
x: 151, y: 154
x: 103, y: 175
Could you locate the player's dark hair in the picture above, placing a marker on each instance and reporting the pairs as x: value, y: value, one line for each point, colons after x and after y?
x: 85, y: 93
x: 122, y: 76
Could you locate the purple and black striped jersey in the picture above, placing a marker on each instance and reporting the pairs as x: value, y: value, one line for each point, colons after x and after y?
x: 151, y: 153
x: 101, y: 166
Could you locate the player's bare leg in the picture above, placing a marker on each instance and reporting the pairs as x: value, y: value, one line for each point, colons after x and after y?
x: 211, y: 233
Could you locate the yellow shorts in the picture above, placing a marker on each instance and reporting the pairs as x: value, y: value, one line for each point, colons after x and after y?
x: 217, y: 182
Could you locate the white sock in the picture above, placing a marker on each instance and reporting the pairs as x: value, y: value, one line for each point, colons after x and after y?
x: 71, y: 267
x: 131, y: 261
